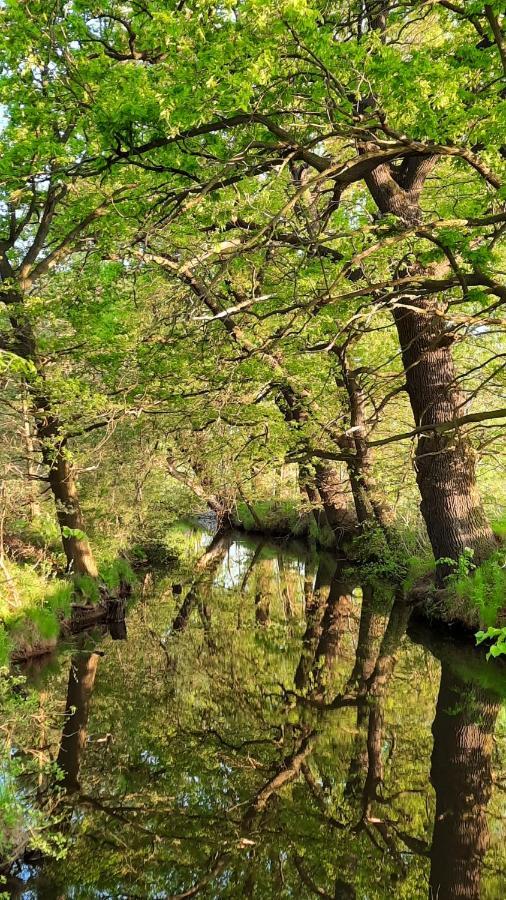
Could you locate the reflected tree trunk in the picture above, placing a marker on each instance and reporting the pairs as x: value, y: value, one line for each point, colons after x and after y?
x: 83, y: 668
x: 362, y: 670
x: 289, y: 607
x: 315, y: 600
x: 264, y: 589
x: 461, y: 774
x: 366, y: 767
x: 206, y: 568
x: 334, y: 624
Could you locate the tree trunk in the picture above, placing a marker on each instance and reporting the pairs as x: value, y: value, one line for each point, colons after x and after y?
x: 445, y: 463
x: 334, y: 498
x: 362, y: 670
x: 61, y: 476
x: 31, y: 468
x: 370, y: 506
x: 461, y: 774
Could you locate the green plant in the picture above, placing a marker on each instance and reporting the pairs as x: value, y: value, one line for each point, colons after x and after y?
x: 483, y: 587
x: 498, y: 636
x: 462, y: 566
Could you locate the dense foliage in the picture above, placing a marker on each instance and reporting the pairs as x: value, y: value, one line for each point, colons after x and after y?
x: 252, y: 263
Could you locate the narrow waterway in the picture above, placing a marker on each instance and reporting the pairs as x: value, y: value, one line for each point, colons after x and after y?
x: 266, y: 728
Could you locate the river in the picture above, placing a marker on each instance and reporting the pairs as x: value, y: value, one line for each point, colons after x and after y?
x: 266, y: 728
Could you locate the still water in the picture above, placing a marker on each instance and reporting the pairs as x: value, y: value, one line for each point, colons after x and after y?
x: 267, y: 729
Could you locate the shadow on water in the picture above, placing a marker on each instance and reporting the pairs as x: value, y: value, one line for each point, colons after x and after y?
x: 270, y: 730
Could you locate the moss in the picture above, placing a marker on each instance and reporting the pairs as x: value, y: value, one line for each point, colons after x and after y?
x: 417, y: 568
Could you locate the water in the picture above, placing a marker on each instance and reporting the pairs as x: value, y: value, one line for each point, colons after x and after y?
x: 269, y: 730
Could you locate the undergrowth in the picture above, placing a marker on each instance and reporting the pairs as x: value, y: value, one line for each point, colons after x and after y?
x: 33, y: 605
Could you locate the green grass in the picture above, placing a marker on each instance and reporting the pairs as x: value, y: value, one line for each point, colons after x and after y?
x: 32, y: 606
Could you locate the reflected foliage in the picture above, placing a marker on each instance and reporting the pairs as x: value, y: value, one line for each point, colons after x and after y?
x: 265, y: 731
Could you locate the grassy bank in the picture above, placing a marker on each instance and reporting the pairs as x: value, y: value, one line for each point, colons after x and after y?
x: 37, y: 597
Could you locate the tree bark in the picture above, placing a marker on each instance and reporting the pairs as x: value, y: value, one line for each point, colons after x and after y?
x: 62, y: 480
x: 445, y: 462
x: 31, y: 468
x: 48, y: 432
x: 370, y: 506
x: 334, y: 498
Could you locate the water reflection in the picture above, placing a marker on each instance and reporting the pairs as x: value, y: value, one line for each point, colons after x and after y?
x: 266, y: 732
x: 83, y: 669
x: 462, y: 777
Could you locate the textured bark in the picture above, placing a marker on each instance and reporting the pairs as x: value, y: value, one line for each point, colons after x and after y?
x: 370, y: 505
x: 83, y: 668
x: 445, y: 462
x: 60, y: 475
x: 334, y: 497
x: 62, y: 480
x: 461, y: 774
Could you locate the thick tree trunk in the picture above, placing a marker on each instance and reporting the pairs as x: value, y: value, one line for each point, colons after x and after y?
x: 445, y: 463
x: 334, y: 498
x: 461, y: 774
